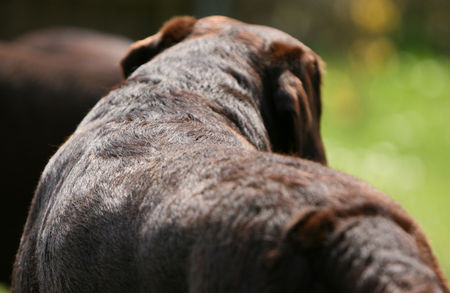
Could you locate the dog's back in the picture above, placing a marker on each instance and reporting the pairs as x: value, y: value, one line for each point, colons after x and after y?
x: 169, y: 185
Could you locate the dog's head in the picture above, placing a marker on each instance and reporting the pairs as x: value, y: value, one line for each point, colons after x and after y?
x: 289, y: 75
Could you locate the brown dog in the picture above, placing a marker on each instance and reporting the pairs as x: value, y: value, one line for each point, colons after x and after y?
x: 169, y: 185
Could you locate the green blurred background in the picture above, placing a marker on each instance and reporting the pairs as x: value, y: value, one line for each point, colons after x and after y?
x: 386, y: 88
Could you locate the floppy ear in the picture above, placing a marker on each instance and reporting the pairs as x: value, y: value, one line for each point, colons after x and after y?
x: 172, y: 32
x: 292, y: 114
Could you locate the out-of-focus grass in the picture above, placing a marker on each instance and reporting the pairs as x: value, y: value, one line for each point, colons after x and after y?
x: 389, y: 124
x: 3, y: 288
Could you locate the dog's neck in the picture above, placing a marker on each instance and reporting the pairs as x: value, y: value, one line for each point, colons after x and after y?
x: 155, y: 100
x: 236, y: 96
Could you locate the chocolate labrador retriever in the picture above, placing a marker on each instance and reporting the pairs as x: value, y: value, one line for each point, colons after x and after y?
x: 172, y: 184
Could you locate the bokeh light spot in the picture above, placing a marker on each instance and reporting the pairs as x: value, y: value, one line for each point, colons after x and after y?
x: 375, y: 16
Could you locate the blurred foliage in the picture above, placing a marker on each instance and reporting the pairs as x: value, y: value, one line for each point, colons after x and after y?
x: 386, y: 98
x: 3, y: 289
x: 320, y: 23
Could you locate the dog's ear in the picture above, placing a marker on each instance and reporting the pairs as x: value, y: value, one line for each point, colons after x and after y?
x: 292, y: 112
x: 172, y: 32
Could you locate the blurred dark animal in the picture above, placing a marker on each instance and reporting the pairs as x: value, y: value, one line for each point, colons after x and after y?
x: 49, y: 80
x: 169, y: 183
